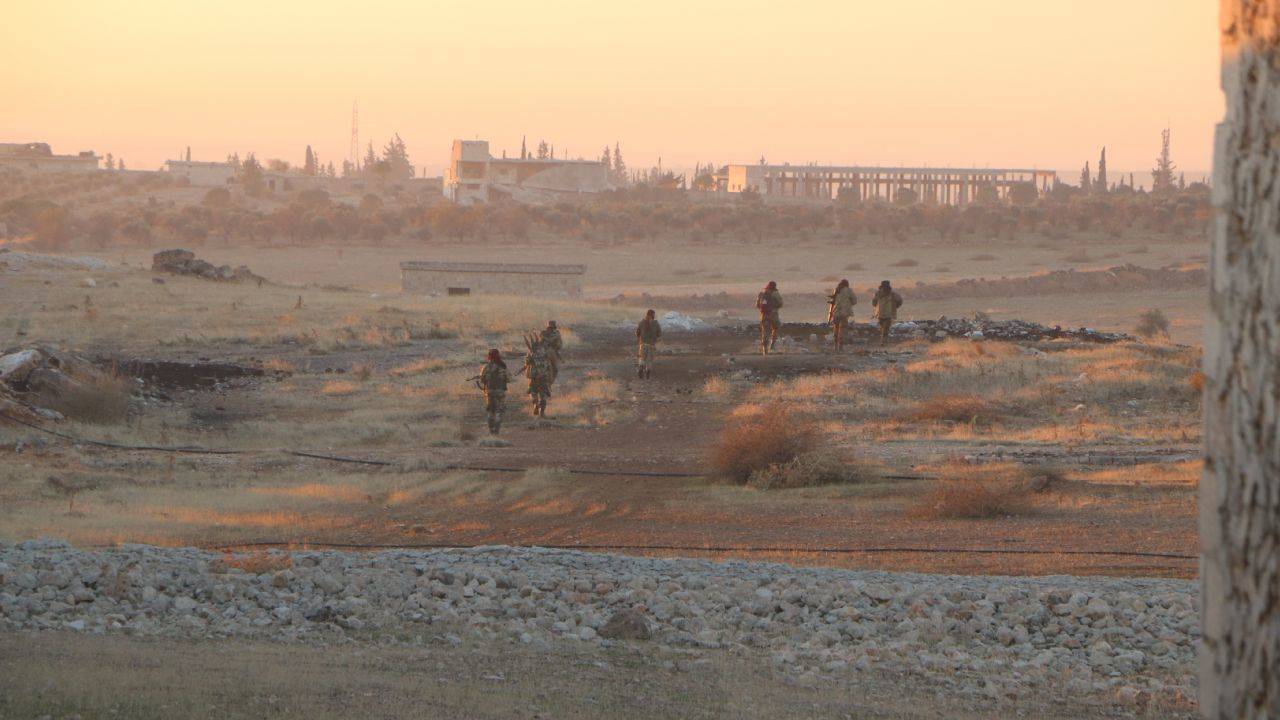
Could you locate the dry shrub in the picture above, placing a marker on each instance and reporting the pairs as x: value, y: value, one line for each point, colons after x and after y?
x: 362, y: 371
x: 339, y: 388
x: 101, y: 399
x: 854, y: 267
x: 904, y: 262
x: 957, y: 408
x: 828, y: 279
x: 809, y: 469
x: 279, y: 365
x: 716, y: 386
x: 942, y: 269
x: 969, y: 500
x: 983, y: 490
x: 773, y: 436
x: 419, y: 367
x: 983, y: 257
x: 254, y: 563
x: 1077, y: 257
x: 1152, y: 323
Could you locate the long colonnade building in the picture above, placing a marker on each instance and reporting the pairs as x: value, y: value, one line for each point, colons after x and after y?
x: 945, y: 186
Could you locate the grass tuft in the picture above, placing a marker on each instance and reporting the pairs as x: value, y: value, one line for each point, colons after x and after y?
x: 959, y: 408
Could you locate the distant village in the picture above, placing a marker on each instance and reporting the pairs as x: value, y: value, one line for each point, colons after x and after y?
x: 474, y: 175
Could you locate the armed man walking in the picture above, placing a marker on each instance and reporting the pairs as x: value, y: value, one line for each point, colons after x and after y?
x: 840, y: 309
x: 886, y: 304
x: 554, y: 343
x: 493, y: 381
x: 769, y: 302
x: 539, y: 368
x: 648, y: 332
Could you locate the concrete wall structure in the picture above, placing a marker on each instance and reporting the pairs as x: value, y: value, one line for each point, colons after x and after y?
x: 944, y: 186
x: 474, y: 175
x: 39, y: 158
x: 203, y: 174
x: 471, y: 278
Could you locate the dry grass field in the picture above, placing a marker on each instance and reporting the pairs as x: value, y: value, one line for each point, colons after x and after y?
x: 357, y: 370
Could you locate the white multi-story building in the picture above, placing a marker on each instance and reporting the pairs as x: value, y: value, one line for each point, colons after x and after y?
x: 474, y: 175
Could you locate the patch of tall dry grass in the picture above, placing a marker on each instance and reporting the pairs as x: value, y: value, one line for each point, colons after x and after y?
x: 977, y: 491
x: 776, y: 446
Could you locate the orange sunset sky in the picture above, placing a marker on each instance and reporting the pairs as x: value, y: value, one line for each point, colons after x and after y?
x: 1027, y: 83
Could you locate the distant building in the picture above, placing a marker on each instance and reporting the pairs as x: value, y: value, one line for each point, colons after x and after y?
x: 202, y: 174
x: 39, y: 158
x: 474, y: 175
x: 474, y: 278
x: 935, y: 185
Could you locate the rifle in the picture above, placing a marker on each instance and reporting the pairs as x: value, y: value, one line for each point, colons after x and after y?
x: 474, y: 379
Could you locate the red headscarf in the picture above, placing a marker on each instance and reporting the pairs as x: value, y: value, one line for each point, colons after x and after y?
x: 495, y: 356
x: 771, y: 286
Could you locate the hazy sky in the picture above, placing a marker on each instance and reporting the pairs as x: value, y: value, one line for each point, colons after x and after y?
x: 1039, y: 83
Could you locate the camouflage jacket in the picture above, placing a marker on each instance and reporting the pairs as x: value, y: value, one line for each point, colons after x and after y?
x: 538, y: 365
x: 769, y: 302
x: 886, y: 304
x: 842, y: 302
x: 552, y: 339
x: 494, y: 377
x: 648, y: 331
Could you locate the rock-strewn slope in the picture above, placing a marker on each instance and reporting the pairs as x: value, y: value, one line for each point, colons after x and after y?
x: 1131, y: 640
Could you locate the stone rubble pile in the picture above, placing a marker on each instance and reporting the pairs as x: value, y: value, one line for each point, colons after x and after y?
x: 1022, y: 330
x: 33, y: 379
x: 185, y: 262
x: 1127, y: 639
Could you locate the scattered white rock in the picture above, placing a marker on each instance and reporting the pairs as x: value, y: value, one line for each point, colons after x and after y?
x: 1130, y: 641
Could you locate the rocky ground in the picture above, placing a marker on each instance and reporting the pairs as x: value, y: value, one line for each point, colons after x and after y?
x: 1129, y: 643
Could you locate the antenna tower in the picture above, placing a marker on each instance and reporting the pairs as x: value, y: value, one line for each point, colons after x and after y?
x: 355, y: 135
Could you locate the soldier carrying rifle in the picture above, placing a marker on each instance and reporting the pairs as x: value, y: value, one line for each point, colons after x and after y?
x: 540, y: 368
x: 493, y: 379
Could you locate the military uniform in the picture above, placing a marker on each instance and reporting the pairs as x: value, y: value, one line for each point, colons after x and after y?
x: 886, y: 302
x: 842, y: 303
x: 493, y: 380
x: 648, y: 332
x: 769, y: 302
x: 554, y: 343
x: 538, y: 368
